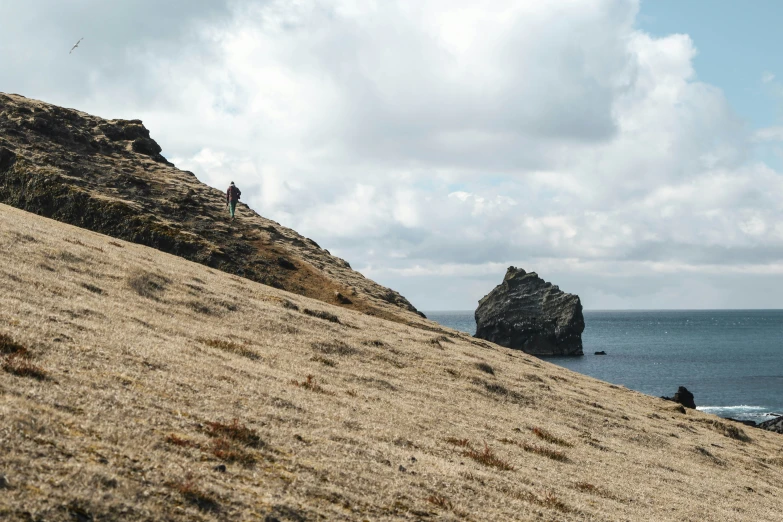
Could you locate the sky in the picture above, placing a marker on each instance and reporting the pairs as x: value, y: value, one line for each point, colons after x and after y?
x: 628, y: 151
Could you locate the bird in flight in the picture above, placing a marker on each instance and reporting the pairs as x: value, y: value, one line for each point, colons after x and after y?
x: 76, y: 45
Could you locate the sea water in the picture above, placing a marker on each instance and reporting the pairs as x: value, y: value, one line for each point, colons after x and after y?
x: 731, y: 360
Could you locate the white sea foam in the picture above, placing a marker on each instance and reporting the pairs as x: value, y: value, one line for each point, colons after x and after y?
x: 709, y: 409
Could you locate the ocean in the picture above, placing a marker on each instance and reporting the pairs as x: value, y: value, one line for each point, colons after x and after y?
x: 731, y: 360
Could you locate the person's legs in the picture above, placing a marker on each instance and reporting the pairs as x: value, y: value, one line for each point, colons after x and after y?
x: 232, y: 206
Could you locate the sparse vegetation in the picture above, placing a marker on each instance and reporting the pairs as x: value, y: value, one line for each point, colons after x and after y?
x: 235, y: 431
x: 543, y: 434
x: 548, y: 500
x: 464, y: 443
x: 198, y: 306
x: 19, y: 365
x: 320, y: 314
x: 545, y: 452
x: 488, y: 458
x: 92, y: 288
x: 486, y: 368
x: 191, y: 492
x: 176, y: 440
x: 229, y: 451
x: 310, y: 383
x: 8, y: 346
x: 727, y: 430
x: 290, y: 305
x: 147, y: 285
x: 439, y: 501
x: 592, y: 489
x: 231, y: 347
x: 334, y: 348
x: 324, y: 360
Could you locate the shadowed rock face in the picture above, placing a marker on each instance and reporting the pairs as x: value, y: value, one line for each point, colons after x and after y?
x: 526, y: 313
x: 775, y: 425
x: 109, y: 176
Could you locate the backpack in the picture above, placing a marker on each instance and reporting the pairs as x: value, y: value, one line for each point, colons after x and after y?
x: 234, y: 192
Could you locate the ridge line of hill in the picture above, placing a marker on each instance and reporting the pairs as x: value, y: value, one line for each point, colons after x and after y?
x: 109, y: 176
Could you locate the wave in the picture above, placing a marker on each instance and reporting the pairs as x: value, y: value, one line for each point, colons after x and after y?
x: 745, y: 407
x: 742, y: 411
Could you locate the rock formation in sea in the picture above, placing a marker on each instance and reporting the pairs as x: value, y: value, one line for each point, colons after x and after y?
x: 525, y: 312
x: 684, y: 397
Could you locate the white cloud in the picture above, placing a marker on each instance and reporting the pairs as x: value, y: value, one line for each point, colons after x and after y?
x: 444, y: 141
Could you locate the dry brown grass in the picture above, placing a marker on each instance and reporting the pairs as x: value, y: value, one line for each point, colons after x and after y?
x: 727, y: 430
x: 10, y: 347
x: 182, y: 442
x: 231, y: 347
x: 192, y: 493
x: 543, y: 434
x: 19, y: 365
x: 439, y: 501
x: 235, y: 431
x: 488, y: 458
x: 320, y: 314
x: 137, y: 412
x: 310, y: 383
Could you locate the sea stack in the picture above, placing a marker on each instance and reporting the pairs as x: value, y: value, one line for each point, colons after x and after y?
x: 526, y: 313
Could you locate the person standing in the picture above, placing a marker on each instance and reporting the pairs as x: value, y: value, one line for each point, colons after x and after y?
x: 232, y: 196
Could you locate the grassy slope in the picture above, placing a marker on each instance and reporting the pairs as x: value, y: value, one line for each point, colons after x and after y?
x: 144, y: 352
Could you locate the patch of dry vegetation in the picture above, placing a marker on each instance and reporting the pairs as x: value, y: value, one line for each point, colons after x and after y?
x: 727, y: 430
x: 146, y: 284
x: 16, y: 360
x: 320, y: 314
x: 310, y: 383
x: 231, y: 347
x: 488, y: 458
x: 193, y: 493
x: 543, y: 434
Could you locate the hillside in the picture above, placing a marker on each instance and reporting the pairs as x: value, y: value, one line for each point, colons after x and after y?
x: 131, y: 376
x: 109, y: 176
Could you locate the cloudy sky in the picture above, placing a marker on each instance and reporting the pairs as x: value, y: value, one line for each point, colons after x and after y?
x: 628, y: 151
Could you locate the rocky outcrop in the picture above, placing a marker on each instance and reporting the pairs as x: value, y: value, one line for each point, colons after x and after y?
x: 684, y: 397
x: 109, y: 176
x: 526, y: 313
x: 775, y: 425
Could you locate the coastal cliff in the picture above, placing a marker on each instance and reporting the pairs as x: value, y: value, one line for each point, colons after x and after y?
x: 526, y: 313
x: 109, y: 176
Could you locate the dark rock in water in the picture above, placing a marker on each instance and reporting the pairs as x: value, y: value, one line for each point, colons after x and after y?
x: 600, y: 353
x: 745, y: 422
x: 775, y: 425
x: 684, y: 397
x: 526, y: 313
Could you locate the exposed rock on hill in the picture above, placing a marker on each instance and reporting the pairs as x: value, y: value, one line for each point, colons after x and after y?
x: 775, y: 425
x: 109, y: 176
x: 527, y: 313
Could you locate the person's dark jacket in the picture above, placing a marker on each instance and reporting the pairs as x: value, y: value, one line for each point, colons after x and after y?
x: 233, y: 194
